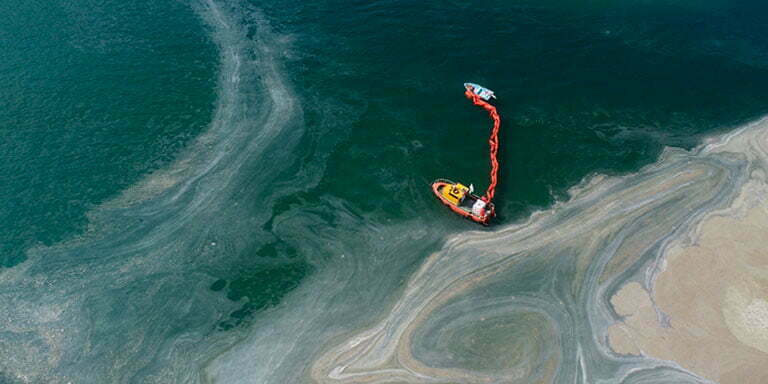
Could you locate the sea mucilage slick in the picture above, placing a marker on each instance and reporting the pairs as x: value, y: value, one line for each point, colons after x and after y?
x: 459, y: 197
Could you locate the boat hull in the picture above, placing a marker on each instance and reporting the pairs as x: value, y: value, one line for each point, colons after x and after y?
x: 464, y: 211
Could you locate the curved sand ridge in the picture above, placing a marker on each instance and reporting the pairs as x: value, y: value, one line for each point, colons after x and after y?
x: 530, y: 302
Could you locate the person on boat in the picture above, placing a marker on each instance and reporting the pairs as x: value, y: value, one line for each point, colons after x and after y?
x: 478, y: 208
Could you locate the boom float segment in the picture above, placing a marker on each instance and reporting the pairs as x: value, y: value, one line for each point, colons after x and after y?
x: 456, y: 195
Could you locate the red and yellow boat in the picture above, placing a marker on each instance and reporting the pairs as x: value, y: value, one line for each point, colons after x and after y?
x: 459, y: 198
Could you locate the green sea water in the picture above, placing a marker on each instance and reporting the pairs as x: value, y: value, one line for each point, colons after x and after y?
x: 218, y: 189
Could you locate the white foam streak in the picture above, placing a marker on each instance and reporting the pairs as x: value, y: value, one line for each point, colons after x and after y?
x: 581, y: 251
x: 129, y: 300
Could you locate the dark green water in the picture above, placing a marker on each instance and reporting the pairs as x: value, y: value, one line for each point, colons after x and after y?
x: 177, y: 175
x: 93, y: 100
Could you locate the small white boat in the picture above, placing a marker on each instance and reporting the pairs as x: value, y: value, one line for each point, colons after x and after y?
x: 484, y: 93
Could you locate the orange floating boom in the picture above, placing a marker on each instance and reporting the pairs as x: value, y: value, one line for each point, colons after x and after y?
x: 493, y: 141
x: 458, y: 197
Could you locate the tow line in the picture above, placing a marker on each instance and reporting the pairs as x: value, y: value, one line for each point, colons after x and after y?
x: 459, y: 197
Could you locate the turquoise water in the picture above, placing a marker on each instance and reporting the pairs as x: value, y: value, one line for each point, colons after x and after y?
x: 218, y: 190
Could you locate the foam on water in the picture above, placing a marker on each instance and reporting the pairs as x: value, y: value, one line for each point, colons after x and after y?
x: 129, y: 299
x: 525, y: 303
x: 560, y: 267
